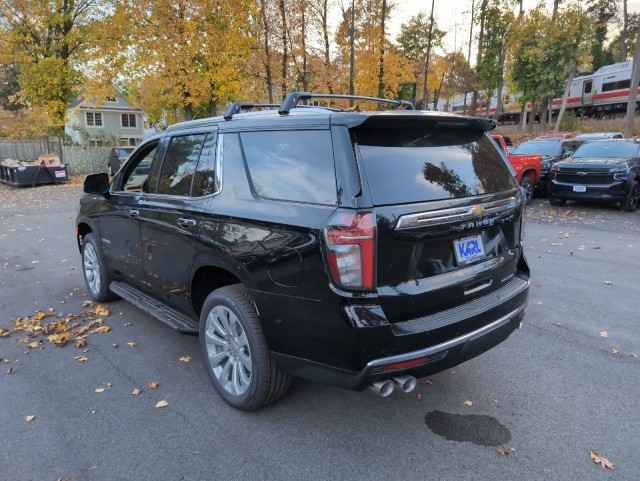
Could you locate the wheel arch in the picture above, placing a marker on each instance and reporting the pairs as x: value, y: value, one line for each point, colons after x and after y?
x: 82, y: 229
x: 208, y: 278
x: 531, y: 174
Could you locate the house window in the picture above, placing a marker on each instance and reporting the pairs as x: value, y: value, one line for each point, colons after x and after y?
x: 130, y: 141
x: 129, y: 120
x: 94, y: 119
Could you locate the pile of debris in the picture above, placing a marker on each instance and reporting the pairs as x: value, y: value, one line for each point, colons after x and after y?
x: 47, y: 169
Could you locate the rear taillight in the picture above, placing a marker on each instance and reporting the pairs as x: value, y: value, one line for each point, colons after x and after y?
x: 350, y: 238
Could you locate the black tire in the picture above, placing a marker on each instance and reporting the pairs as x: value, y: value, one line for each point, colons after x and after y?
x: 527, y: 186
x: 554, y: 201
x: 630, y: 203
x: 95, y: 271
x: 228, y: 349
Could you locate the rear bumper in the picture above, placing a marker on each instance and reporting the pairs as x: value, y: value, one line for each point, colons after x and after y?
x: 439, y: 357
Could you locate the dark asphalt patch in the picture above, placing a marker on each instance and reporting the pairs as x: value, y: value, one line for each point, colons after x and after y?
x: 477, y: 429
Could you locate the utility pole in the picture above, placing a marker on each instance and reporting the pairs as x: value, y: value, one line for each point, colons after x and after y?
x: 473, y: 4
x: 353, y: 55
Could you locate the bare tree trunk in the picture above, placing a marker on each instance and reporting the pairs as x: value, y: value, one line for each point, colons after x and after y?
x: 483, y: 10
x: 521, y: 11
x: 633, y: 91
x: 501, y: 80
x: 623, y: 33
x: 188, y: 111
x: 555, y: 10
x: 285, y: 50
x: 213, y: 108
x: 464, y: 105
x: 381, y: 61
x: 425, y: 90
x: 327, y: 45
x: 305, y: 80
x: 352, y: 59
x: 267, y: 49
x: 543, y: 115
x: 532, y: 116
x: 567, y: 87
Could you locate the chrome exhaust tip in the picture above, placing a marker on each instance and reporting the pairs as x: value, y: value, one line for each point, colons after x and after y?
x: 405, y: 382
x: 384, y: 387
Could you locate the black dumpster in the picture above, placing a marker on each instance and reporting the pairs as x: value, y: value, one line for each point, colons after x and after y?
x: 31, y: 175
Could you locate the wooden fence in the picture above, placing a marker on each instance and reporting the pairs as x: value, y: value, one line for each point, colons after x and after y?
x: 29, y: 149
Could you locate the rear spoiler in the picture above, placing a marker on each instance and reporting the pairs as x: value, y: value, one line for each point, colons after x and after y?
x: 412, y: 119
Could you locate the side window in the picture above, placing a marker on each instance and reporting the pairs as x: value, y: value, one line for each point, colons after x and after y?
x: 179, y: 164
x: 587, y: 86
x: 292, y: 165
x: 136, y: 171
x: 206, y: 179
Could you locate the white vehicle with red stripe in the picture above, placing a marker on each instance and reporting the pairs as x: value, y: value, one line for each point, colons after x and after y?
x: 511, y: 106
x: 602, y: 92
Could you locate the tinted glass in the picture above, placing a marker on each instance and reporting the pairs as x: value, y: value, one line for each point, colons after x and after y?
x: 607, y: 150
x: 136, y: 171
x: 542, y: 148
x: 423, y: 164
x: 292, y: 165
x: 179, y: 164
x: 205, y: 179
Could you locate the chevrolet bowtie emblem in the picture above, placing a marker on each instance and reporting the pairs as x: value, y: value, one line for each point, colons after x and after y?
x: 477, y: 210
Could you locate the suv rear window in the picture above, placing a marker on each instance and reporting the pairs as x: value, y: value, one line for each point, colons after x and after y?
x: 292, y: 165
x: 425, y: 164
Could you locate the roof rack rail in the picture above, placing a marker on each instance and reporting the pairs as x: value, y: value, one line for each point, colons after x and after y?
x: 237, y: 107
x: 292, y: 99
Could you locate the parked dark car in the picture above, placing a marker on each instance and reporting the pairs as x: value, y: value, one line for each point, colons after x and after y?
x: 117, y: 156
x: 601, y: 170
x: 552, y: 150
x: 600, y: 136
x: 358, y: 249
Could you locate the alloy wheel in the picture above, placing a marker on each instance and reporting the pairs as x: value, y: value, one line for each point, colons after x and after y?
x: 228, y: 350
x: 91, y: 266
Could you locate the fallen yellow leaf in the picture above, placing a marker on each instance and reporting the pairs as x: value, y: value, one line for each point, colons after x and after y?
x: 154, y: 385
x: 601, y: 460
x: 468, y: 403
x: 101, y: 310
x: 185, y: 359
x: 100, y: 389
x: 633, y: 355
x: 604, y: 334
x: 81, y: 358
x: 162, y: 403
x: 34, y: 344
x: 506, y: 451
x: 101, y: 330
x: 419, y: 396
x: 136, y: 391
x: 615, y: 351
x: 29, y: 418
x: 132, y: 344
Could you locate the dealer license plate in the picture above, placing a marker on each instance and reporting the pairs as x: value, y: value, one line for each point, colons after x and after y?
x: 579, y: 188
x: 468, y: 249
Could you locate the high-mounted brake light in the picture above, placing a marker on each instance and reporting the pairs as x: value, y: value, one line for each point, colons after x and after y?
x: 350, y: 238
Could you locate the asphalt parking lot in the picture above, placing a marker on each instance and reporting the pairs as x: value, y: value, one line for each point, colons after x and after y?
x: 533, y: 408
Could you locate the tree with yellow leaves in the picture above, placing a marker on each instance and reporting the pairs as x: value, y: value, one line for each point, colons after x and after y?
x: 43, y: 38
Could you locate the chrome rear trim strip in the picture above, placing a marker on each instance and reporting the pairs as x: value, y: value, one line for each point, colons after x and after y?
x: 456, y: 214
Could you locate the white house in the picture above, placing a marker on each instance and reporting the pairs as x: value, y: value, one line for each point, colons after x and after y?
x: 115, y: 119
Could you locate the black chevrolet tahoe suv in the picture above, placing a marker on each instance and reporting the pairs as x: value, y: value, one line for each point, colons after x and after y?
x: 353, y: 248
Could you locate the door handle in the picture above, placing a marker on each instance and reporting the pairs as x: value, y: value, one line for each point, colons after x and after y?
x: 186, y: 223
x: 133, y: 213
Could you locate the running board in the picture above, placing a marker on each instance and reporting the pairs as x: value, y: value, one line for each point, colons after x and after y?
x: 171, y: 317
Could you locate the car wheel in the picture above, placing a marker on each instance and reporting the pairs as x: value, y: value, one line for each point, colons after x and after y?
x: 527, y: 186
x: 95, y: 272
x: 631, y: 201
x: 557, y: 202
x: 235, y: 352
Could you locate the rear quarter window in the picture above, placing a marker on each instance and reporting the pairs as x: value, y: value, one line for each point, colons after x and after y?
x: 430, y: 163
x: 293, y: 165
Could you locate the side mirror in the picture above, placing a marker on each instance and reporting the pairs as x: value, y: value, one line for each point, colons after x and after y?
x: 97, y: 184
